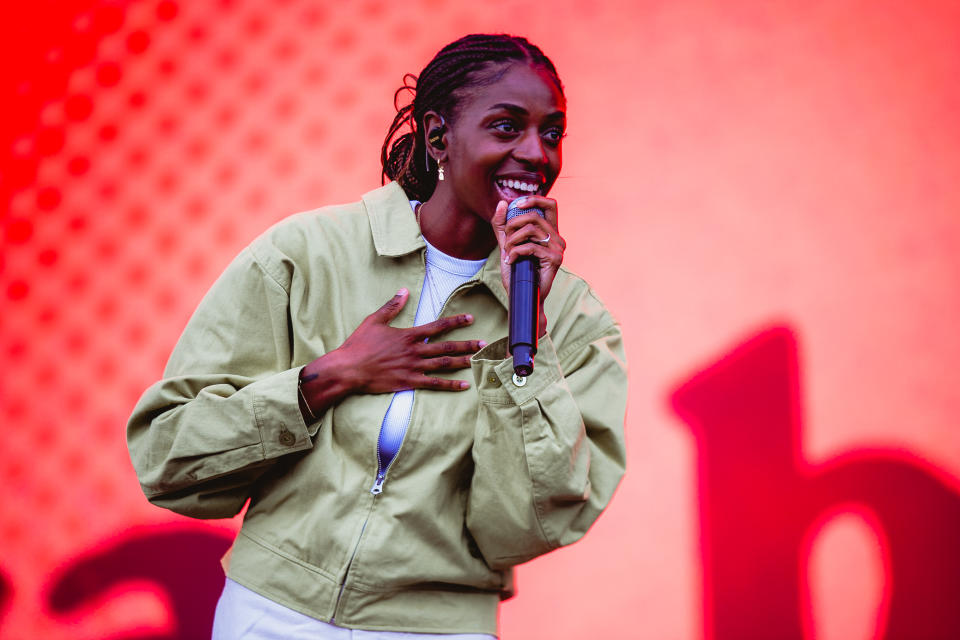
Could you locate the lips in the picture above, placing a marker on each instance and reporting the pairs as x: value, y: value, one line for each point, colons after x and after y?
x: 511, y: 188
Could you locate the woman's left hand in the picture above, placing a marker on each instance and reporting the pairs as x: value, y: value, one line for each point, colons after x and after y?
x: 530, y: 235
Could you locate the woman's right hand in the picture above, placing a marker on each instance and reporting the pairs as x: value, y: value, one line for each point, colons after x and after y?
x: 378, y: 358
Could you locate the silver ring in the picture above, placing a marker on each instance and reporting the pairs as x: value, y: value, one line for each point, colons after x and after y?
x: 544, y: 241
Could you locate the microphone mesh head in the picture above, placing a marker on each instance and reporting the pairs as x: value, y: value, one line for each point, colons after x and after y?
x: 513, y: 210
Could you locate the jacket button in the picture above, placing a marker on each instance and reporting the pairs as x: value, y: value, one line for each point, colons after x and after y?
x: 287, y: 439
x: 519, y: 380
x: 493, y: 379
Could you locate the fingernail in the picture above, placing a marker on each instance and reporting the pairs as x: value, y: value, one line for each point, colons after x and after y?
x: 468, y: 318
x: 482, y: 343
x: 402, y: 291
x: 464, y: 384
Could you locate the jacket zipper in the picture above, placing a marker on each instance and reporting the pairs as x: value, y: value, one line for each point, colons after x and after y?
x: 353, y: 554
x: 376, y: 490
x: 377, y: 487
x: 381, y: 478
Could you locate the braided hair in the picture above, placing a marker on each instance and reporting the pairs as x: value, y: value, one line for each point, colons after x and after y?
x: 462, y: 64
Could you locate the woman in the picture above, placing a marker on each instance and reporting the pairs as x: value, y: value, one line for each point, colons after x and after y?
x: 389, y: 488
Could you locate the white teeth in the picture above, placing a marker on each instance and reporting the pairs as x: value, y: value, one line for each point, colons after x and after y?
x: 519, y: 186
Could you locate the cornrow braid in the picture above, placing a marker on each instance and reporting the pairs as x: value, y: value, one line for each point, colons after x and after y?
x: 460, y: 65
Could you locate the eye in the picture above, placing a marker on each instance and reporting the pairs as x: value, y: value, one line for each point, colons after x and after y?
x: 554, y: 135
x: 505, y: 127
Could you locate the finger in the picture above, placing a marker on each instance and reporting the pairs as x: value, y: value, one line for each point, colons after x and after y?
x: 441, y: 384
x: 450, y: 348
x: 541, y: 236
x: 498, y: 222
x: 445, y: 363
x: 545, y: 204
x: 548, y: 257
x: 441, y: 325
x: 529, y: 228
x: 524, y: 220
x: 391, y: 309
x: 499, y: 218
x: 533, y: 231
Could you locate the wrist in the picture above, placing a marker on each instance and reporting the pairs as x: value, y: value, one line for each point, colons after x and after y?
x: 324, y: 383
x: 305, y: 409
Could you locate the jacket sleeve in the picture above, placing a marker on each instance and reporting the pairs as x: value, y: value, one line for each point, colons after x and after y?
x: 226, y: 408
x: 548, y: 453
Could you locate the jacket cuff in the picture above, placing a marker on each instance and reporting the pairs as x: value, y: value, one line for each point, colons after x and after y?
x: 276, y: 409
x: 496, y: 382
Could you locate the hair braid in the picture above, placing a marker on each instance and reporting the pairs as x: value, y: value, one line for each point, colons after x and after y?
x: 439, y: 87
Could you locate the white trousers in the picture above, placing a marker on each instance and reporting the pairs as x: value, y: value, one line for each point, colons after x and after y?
x: 243, y: 614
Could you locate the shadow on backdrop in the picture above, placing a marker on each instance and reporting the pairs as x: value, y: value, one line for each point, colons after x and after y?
x: 182, y: 563
x: 6, y: 592
x: 759, y: 502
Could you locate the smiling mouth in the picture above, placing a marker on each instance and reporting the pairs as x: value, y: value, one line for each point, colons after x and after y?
x: 510, y: 189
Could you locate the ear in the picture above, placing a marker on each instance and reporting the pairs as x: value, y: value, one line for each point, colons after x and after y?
x: 434, y: 124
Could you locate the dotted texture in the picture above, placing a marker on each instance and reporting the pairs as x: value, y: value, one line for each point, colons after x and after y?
x: 153, y: 140
x: 148, y: 142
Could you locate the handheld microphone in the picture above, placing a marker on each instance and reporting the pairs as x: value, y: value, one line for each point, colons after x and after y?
x: 524, y: 303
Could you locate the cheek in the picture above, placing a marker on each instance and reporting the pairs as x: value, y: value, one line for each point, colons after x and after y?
x: 473, y: 170
x: 556, y: 157
x: 479, y: 171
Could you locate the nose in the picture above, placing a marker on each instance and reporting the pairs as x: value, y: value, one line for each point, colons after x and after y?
x: 530, y: 149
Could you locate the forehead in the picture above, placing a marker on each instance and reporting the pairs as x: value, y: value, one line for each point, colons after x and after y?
x: 520, y: 84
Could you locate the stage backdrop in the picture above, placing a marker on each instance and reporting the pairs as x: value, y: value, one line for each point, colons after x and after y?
x: 764, y: 193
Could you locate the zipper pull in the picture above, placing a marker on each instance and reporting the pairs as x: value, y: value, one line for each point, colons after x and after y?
x: 377, y: 488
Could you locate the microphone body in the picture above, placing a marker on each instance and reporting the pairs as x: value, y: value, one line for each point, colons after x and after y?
x: 524, y: 303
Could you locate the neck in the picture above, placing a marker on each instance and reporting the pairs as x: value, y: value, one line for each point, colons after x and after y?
x: 454, y: 230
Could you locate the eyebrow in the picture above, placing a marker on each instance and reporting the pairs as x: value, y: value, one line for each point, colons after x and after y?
x: 513, y: 108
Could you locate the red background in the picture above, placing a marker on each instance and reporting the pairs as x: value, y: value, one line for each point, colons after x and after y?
x: 730, y: 167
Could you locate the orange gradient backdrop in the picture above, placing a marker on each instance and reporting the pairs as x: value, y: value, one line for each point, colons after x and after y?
x: 730, y: 167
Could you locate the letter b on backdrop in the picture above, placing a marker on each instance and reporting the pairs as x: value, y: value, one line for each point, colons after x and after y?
x: 759, y: 500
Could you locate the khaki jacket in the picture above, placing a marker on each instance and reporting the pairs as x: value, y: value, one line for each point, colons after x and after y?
x: 485, y: 479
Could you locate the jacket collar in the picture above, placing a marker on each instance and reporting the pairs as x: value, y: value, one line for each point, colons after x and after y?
x: 394, y: 227
x: 395, y: 233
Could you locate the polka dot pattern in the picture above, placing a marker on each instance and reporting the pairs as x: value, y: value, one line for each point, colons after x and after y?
x: 154, y: 140
x: 166, y: 137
